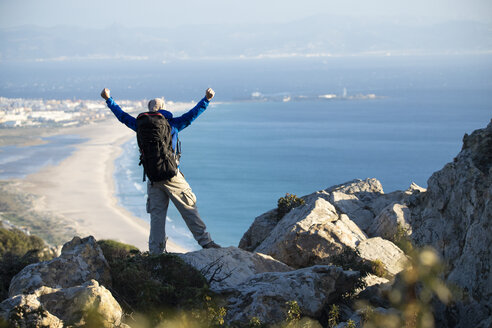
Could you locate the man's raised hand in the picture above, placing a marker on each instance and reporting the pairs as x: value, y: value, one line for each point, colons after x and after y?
x: 105, y: 93
x: 210, y: 93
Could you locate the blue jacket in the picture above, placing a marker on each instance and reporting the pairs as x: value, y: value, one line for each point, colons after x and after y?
x: 177, y: 123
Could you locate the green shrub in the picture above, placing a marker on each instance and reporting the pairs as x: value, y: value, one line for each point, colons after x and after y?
x: 17, y: 250
x: 402, y: 240
x: 160, y: 288
x: 377, y: 268
x: 255, y: 322
x: 114, y: 250
x: 17, y: 242
x: 349, y: 259
x: 333, y: 315
x: 286, y: 203
x: 293, y: 311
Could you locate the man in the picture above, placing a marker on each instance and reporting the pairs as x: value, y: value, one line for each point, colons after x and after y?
x: 175, y: 188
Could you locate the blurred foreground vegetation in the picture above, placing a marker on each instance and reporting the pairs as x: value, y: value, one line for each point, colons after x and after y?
x: 164, y: 291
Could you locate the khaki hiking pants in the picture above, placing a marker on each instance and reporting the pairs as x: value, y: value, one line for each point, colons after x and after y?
x: 179, y: 191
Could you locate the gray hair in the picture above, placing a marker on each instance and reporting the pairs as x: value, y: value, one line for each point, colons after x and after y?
x: 156, y: 104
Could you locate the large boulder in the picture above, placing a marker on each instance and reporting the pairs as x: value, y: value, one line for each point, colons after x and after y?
x: 357, y: 199
x: 226, y: 268
x: 455, y: 217
x: 89, y: 304
x: 265, y: 295
x: 26, y: 311
x: 392, y: 218
x: 80, y: 260
x: 378, y: 249
x: 360, y: 200
x: 329, y: 221
x: 259, y: 230
x: 311, y: 234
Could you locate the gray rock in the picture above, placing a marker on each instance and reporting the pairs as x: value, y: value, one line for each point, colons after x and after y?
x: 331, y: 220
x: 26, y: 311
x: 80, y: 304
x: 259, y: 230
x: 454, y: 216
x: 80, y: 260
x: 393, y: 217
x: 311, y: 234
x: 74, y: 306
x: 228, y: 267
x: 265, y: 295
x: 377, y: 248
x: 354, y: 198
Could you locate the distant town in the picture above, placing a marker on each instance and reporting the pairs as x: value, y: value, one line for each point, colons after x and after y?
x: 17, y: 112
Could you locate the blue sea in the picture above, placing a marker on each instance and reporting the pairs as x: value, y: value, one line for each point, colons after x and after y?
x: 17, y: 162
x: 241, y: 155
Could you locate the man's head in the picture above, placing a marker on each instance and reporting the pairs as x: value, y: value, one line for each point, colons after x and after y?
x: 156, y: 104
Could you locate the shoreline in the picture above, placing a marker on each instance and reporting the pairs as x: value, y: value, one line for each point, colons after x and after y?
x: 81, y: 187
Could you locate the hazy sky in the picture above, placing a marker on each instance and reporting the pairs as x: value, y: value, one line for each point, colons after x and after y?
x: 100, y: 13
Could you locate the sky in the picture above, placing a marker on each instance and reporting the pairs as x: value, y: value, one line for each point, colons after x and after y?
x: 153, y: 13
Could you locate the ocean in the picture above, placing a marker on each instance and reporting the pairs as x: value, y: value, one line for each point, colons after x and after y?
x: 275, y: 129
x: 18, y: 162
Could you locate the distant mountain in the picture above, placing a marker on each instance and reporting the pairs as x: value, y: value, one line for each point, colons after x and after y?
x: 314, y: 36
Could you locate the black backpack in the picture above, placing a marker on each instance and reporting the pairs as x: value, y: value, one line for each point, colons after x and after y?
x: 154, y: 139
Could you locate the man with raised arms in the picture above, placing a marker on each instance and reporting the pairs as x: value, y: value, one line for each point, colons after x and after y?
x: 174, y: 188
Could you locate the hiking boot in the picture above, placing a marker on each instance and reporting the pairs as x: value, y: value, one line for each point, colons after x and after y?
x: 211, y: 244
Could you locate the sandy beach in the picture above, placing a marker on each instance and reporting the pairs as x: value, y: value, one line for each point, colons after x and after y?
x: 81, y: 188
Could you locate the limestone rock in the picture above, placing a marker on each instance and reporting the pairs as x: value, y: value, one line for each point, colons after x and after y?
x: 231, y: 266
x: 377, y: 248
x: 329, y: 221
x: 80, y: 304
x: 387, y: 223
x: 259, y: 230
x: 80, y: 261
x: 353, y: 199
x: 265, y: 295
x: 311, y: 233
x: 373, y: 292
x: 455, y: 216
x: 26, y: 311
x: 77, y: 306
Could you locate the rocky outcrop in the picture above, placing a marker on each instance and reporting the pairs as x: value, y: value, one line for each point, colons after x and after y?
x: 89, y: 303
x: 265, y: 295
x: 455, y: 217
x: 226, y: 268
x: 256, y: 285
x: 80, y: 260
x: 65, y: 291
x: 392, y: 258
x: 26, y: 311
x: 392, y: 218
x: 359, y: 200
x: 259, y: 230
x: 313, y: 233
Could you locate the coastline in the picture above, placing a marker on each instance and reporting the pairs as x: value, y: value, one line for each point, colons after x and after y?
x: 81, y: 188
